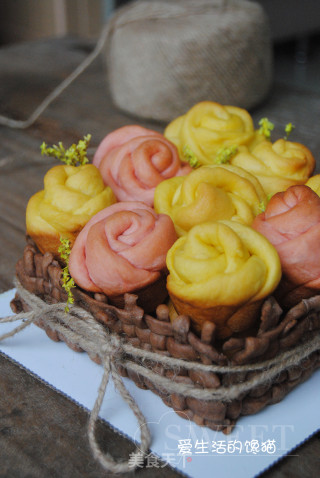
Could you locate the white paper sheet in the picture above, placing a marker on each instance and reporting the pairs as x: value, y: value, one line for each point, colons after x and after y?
x: 255, y: 444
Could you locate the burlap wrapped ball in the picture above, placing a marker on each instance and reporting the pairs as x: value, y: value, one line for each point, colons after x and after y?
x: 164, y: 56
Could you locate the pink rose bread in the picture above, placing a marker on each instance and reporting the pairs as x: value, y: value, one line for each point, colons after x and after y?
x: 133, y: 160
x: 123, y: 249
x: 291, y: 222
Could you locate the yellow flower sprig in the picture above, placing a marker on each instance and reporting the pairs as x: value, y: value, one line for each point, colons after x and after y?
x: 288, y: 129
x: 263, y: 204
x: 75, y: 155
x: 266, y: 127
x: 67, y: 281
x: 190, y: 157
x: 225, y: 154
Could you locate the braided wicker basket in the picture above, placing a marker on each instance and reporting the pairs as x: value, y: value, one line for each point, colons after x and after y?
x: 276, y: 332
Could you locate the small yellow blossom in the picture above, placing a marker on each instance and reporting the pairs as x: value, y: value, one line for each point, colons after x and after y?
x: 190, y: 157
x: 73, y: 156
x: 266, y: 127
x: 67, y: 281
x: 288, y: 129
x: 225, y: 154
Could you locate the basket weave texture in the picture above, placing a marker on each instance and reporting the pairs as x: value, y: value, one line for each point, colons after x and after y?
x: 276, y: 333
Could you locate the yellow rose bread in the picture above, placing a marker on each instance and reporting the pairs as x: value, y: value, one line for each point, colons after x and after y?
x: 277, y: 165
x: 207, y: 127
x: 314, y: 183
x: 71, y: 196
x: 222, y: 272
x: 210, y: 193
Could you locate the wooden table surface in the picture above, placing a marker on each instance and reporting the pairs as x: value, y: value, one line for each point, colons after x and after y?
x: 43, y: 433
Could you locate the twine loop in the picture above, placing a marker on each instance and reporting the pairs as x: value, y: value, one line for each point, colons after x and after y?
x: 80, y: 328
x: 110, y: 352
x: 112, y: 349
x: 164, y: 88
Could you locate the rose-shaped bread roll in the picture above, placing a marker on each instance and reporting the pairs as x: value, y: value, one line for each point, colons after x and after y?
x: 221, y: 271
x: 314, y: 183
x: 123, y: 249
x: 71, y: 196
x: 277, y: 165
x: 134, y: 160
x: 117, y: 138
x: 210, y: 193
x: 291, y: 222
x: 209, y: 126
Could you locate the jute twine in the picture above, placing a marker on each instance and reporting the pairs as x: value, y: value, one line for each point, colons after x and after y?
x: 165, y: 56
x: 80, y: 328
x: 56, y: 92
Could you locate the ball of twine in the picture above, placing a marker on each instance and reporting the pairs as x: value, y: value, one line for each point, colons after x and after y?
x: 165, y: 56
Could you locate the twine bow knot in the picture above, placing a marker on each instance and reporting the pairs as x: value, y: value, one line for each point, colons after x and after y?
x: 80, y: 328
x: 110, y: 350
